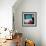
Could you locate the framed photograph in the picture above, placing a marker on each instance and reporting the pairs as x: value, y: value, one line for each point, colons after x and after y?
x: 29, y: 19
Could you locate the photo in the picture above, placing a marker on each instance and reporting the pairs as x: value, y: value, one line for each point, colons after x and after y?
x: 29, y: 19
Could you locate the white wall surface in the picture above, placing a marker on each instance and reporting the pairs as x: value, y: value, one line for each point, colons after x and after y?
x: 6, y: 13
x: 43, y: 22
x: 34, y: 33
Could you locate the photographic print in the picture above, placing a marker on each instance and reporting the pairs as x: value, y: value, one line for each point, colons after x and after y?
x: 29, y: 19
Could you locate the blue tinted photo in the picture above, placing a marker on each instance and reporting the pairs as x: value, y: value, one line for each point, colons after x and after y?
x: 28, y: 19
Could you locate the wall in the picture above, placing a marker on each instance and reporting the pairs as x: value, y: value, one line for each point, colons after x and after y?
x: 43, y: 22
x: 33, y: 33
x: 6, y: 13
